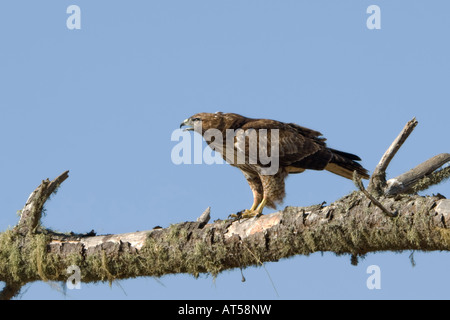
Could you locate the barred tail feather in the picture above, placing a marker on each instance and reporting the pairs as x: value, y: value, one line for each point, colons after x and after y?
x: 344, y: 166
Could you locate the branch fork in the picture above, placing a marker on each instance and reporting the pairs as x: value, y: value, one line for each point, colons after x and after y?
x: 416, y: 179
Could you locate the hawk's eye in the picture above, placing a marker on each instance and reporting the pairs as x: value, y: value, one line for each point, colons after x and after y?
x: 196, y: 119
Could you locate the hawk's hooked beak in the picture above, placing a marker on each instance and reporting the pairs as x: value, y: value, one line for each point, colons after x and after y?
x: 187, y: 123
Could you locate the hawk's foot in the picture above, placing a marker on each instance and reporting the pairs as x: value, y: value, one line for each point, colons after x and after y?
x: 236, y: 216
x: 245, y: 214
x: 250, y: 213
x: 254, y: 211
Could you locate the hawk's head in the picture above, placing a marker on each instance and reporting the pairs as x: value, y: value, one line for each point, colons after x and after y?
x: 203, y: 121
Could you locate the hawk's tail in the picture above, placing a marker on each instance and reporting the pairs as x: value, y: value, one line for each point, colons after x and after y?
x: 343, y: 164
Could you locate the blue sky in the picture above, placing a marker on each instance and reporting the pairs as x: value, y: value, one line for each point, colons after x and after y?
x: 104, y: 100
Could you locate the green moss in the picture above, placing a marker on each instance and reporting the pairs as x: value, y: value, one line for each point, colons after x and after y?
x: 21, y: 258
x: 430, y: 180
x: 183, y: 248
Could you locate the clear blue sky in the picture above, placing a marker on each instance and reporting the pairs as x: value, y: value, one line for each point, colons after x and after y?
x: 103, y: 101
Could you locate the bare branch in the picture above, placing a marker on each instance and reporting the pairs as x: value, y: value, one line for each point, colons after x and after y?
x: 413, y: 180
x: 205, y: 217
x: 378, y: 179
x: 32, y: 212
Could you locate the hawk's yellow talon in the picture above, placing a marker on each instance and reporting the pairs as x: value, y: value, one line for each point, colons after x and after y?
x: 235, y: 215
x: 248, y: 214
x: 254, y: 211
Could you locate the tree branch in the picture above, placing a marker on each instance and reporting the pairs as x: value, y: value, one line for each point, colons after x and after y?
x: 351, y: 225
x: 421, y: 177
x: 32, y: 212
x: 9, y: 291
x: 378, y: 180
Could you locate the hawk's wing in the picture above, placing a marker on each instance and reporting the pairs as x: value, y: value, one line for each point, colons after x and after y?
x: 297, y: 146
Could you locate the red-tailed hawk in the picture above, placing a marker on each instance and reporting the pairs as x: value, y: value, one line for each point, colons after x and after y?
x: 267, y: 151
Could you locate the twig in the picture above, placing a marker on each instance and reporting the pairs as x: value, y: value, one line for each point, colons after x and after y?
x: 10, y: 291
x: 358, y: 182
x: 378, y: 179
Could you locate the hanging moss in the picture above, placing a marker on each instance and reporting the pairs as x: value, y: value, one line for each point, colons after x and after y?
x: 349, y: 226
x: 431, y: 180
x: 22, y: 257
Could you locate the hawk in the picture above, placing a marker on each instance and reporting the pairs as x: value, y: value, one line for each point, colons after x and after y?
x: 291, y: 147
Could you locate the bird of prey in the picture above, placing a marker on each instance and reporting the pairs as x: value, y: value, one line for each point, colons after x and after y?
x: 291, y: 147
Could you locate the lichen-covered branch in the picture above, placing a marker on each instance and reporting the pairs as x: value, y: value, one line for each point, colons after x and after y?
x: 351, y: 225
x: 421, y: 177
